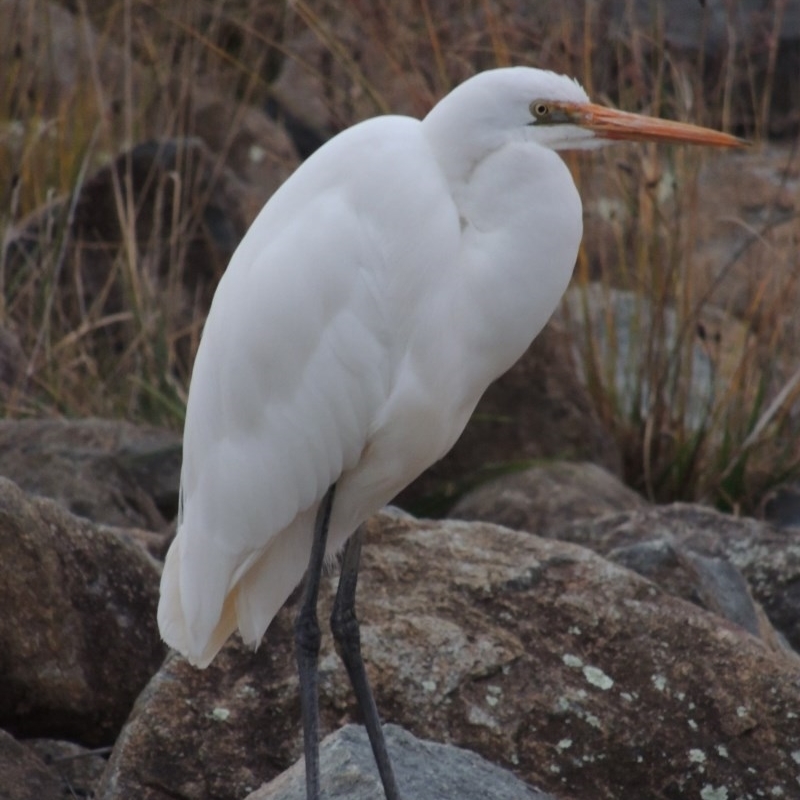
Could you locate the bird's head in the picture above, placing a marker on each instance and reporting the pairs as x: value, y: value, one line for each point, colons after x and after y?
x: 553, y: 111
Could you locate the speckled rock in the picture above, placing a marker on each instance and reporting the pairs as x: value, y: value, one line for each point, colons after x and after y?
x: 552, y: 499
x: 768, y: 557
x: 580, y: 676
x: 78, y: 637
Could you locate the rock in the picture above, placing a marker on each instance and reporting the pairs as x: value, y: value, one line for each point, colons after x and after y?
x: 546, y: 499
x: 546, y: 496
x: 216, y: 82
x: 342, y: 64
x: 109, y: 471
x: 424, y: 771
x: 23, y: 775
x: 317, y: 93
x: 710, y: 23
x: 741, y: 246
x: 537, y: 410
x: 782, y: 506
x: 78, y: 637
x: 211, y: 734
x: 754, y: 256
x: 257, y: 150
x: 12, y: 363
x: 580, y: 676
x: 136, y: 248
x: 54, y: 53
x: 78, y: 769
x: 711, y: 583
x: 768, y: 558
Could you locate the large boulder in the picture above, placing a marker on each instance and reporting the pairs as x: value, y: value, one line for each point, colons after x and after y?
x: 579, y: 675
x: 585, y: 504
x: 78, y: 637
x: 768, y: 557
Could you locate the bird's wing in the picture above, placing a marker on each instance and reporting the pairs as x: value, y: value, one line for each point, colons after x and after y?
x: 288, y: 377
x: 296, y: 360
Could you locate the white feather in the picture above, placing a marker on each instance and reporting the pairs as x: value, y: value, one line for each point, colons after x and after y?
x: 401, y: 269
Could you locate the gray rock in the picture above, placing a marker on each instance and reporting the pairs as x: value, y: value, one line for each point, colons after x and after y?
x: 782, y: 507
x: 424, y: 771
x: 765, y: 36
x: 710, y: 23
x: 712, y: 583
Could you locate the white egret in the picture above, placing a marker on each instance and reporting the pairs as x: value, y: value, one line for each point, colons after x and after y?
x: 400, y: 270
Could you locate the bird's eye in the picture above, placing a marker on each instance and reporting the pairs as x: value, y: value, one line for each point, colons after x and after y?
x: 540, y: 109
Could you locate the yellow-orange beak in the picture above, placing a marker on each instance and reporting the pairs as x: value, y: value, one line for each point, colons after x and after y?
x: 608, y: 123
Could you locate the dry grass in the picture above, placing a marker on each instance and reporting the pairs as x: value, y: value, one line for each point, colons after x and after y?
x: 81, y: 356
x: 732, y: 448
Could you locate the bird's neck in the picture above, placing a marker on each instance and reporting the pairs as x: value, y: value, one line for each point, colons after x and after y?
x: 521, y: 224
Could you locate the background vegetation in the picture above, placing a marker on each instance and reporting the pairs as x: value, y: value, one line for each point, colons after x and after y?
x: 111, y: 330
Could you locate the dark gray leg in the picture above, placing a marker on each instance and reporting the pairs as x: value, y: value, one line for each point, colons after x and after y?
x: 348, y: 644
x: 306, y: 642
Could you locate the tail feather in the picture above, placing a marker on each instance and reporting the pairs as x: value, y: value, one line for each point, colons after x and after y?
x: 266, y: 586
x: 191, y: 618
x: 172, y: 619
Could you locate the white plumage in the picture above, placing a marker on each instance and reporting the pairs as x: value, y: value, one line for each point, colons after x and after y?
x: 401, y: 269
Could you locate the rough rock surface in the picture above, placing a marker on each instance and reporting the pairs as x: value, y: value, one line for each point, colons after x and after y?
x: 553, y: 499
x: 768, y: 557
x: 424, y: 771
x: 580, y: 676
x: 109, y: 471
x: 544, y: 497
x: 78, y: 637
